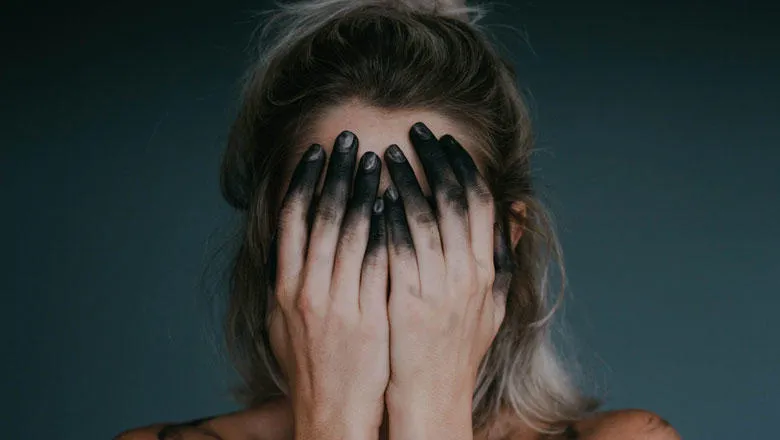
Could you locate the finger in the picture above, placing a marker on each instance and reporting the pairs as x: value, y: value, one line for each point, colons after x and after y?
x: 448, y: 193
x: 420, y: 217
x: 374, y: 271
x: 355, y: 228
x: 330, y: 211
x: 271, y: 262
x: 504, y: 263
x: 292, y: 231
x: 401, y: 252
x: 478, y: 197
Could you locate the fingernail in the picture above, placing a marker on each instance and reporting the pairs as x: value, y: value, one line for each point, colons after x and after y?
x: 394, y: 153
x: 370, y: 161
x: 391, y: 193
x: 448, y: 139
x: 313, y: 153
x: 422, y: 131
x: 379, y: 206
x: 345, y: 141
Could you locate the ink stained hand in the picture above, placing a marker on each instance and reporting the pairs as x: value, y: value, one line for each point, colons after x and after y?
x: 338, y: 207
x: 452, y: 224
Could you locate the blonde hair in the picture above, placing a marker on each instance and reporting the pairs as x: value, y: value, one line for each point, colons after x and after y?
x: 395, y: 55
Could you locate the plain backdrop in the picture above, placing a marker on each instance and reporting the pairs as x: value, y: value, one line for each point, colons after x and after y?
x: 657, y: 128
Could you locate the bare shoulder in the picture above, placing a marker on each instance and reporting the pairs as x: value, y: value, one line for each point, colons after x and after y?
x: 267, y: 422
x: 628, y: 424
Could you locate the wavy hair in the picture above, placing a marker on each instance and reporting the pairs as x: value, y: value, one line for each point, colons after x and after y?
x: 408, y: 54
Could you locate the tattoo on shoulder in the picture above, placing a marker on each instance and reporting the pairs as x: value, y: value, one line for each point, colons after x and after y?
x: 571, y: 433
x: 175, y: 431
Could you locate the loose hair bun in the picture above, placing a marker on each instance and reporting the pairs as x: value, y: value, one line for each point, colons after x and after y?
x: 451, y: 8
x: 457, y: 9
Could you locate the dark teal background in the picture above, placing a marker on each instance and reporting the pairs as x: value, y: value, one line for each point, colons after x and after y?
x: 658, y: 136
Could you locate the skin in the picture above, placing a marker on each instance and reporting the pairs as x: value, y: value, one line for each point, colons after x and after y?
x: 410, y: 366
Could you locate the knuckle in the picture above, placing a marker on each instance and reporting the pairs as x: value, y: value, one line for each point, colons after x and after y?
x: 372, y: 328
x: 329, y: 212
x: 454, y: 197
x: 290, y: 212
x: 351, y: 233
x: 433, y: 242
x: 460, y: 269
x: 425, y: 218
x: 487, y: 272
x: 482, y: 193
x: 407, y: 288
x: 320, y: 253
x: 281, y: 297
x: 464, y: 276
x: 304, y: 305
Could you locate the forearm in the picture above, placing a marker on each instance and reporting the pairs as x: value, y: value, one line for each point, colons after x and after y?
x: 423, y: 418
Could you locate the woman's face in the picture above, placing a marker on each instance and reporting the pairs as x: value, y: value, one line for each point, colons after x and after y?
x: 377, y: 129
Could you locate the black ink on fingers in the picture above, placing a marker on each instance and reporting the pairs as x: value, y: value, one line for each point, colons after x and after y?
x: 315, y: 201
x: 314, y: 152
x: 503, y: 263
x: 444, y: 185
x: 432, y: 203
x: 394, y: 153
x: 395, y: 218
x: 392, y: 193
x: 408, y: 188
x: 461, y: 162
x: 338, y: 180
x: 376, y: 237
x: 366, y: 182
x: 464, y: 167
x: 422, y: 131
x: 366, y: 185
x: 379, y: 206
x: 298, y: 198
x: 304, y: 179
x: 345, y: 141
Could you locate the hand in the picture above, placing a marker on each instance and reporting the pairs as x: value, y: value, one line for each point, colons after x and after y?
x: 447, y: 300
x: 329, y: 331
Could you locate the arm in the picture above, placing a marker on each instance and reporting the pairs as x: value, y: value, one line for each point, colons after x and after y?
x: 450, y: 269
x: 415, y: 417
x: 272, y: 419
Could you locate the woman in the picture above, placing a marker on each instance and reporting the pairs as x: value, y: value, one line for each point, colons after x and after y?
x: 412, y: 303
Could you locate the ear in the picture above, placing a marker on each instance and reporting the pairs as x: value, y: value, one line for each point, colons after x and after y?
x: 516, y: 228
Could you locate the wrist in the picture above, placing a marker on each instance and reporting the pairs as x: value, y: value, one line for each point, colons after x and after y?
x: 342, y: 429
x: 336, y: 423
x: 417, y: 415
